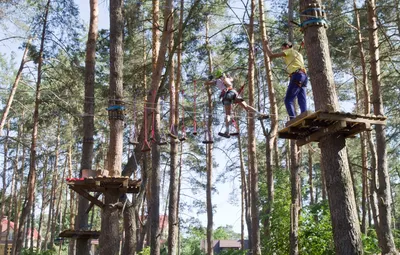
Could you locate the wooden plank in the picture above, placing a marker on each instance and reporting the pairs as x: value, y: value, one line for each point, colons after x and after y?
x: 358, y: 129
x: 86, y: 195
x: 345, y: 117
x: 287, y: 136
x: 297, y: 130
x: 299, y: 118
x: 80, y: 234
x: 322, y: 132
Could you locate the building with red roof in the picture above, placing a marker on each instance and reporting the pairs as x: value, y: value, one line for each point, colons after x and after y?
x: 3, y: 235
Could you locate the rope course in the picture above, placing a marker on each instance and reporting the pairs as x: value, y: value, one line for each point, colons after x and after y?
x: 208, y: 137
x: 316, y: 16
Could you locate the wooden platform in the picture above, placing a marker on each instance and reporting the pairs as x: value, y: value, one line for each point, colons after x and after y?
x: 312, y: 126
x: 80, y: 234
x: 83, y: 186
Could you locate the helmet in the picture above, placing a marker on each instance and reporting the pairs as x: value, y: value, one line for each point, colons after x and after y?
x: 218, y: 73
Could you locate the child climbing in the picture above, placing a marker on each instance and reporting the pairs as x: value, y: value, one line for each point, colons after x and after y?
x: 228, y: 97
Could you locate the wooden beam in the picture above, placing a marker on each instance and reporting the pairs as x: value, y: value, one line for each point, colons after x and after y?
x: 348, y: 118
x: 298, y: 130
x: 322, y: 132
x: 80, y: 234
x: 287, y: 136
x: 358, y: 129
x: 86, y: 195
x: 91, y: 203
x: 299, y: 118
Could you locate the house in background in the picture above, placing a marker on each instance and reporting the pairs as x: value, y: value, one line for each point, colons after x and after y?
x: 223, y: 245
x: 10, y: 237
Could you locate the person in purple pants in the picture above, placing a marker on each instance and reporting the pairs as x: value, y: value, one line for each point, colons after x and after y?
x: 298, y: 78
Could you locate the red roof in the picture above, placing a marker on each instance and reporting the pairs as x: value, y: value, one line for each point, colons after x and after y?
x: 4, y: 223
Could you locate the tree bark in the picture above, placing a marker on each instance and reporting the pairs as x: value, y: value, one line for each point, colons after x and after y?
x: 385, y: 236
x: 272, y: 135
x: 245, y: 196
x: 310, y: 176
x: 18, y: 198
x: 255, y: 235
x: 110, y: 236
x: 72, y: 205
x: 295, y: 194
x: 346, y: 230
x: 32, y: 162
x: 81, y: 220
x: 44, y: 199
x: 13, y: 195
x: 14, y: 87
x: 4, y: 175
x: 158, y: 64
x: 209, y: 157
x: 174, y: 121
x: 54, y: 212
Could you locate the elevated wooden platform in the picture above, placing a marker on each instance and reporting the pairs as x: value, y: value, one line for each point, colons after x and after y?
x: 83, y: 186
x: 312, y: 126
x: 80, y: 234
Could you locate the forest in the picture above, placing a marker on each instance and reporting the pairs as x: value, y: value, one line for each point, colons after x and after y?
x: 112, y: 142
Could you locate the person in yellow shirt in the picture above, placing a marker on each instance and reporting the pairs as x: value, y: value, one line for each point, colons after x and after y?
x: 298, y: 77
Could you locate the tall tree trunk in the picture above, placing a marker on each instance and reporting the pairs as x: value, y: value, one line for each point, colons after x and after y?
x: 14, y: 185
x: 50, y: 214
x: 294, y: 169
x: 54, y: 212
x: 14, y: 87
x: 174, y: 120
x: 245, y: 195
x: 346, y: 229
x: 72, y: 205
x: 109, y: 239
x: 18, y: 198
x: 290, y: 18
x: 44, y: 199
x: 158, y: 65
x: 385, y: 235
x: 271, y: 139
x: 32, y: 162
x: 295, y: 192
x: 255, y: 235
x: 4, y: 176
x: 209, y: 150
x: 310, y: 176
x: 366, y: 110
x: 81, y: 221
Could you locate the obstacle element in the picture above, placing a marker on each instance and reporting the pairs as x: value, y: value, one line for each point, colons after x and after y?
x: 79, y: 234
x: 83, y: 186
x: 315, y: 15
x: 313, y: 126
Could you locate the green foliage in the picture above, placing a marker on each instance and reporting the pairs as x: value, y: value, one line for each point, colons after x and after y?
x: 225, y: 233
x: 370, y: 243
x: 47, y: 252
x: 234, y: 252
x: 145, y: 251
x: 315, y: 235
